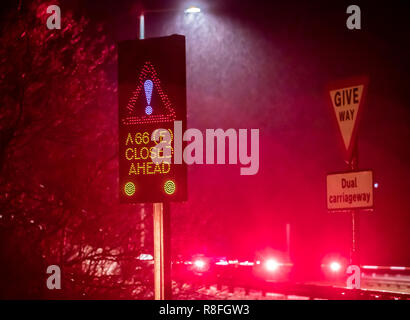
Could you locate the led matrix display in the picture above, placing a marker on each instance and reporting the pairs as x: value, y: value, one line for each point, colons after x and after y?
x: 148, y: 80
x: 152, y: 95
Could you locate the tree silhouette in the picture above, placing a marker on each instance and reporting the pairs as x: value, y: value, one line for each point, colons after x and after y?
x: 58, y: 163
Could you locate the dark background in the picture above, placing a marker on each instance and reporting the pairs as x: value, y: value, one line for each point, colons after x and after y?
x: 266, y: 65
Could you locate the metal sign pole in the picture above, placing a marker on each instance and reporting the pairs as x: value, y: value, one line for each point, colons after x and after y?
x: 166, y: 223
x: 354, y: 256
x: 162, y: 252
x: 158, y: 253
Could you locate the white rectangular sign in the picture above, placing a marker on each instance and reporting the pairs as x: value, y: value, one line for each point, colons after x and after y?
x: 350, y: 190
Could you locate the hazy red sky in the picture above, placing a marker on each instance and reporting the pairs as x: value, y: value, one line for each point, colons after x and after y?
x: 266, y: 66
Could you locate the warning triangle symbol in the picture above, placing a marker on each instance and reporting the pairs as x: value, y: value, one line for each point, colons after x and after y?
x: 150, y: 76
x: 347, y: 101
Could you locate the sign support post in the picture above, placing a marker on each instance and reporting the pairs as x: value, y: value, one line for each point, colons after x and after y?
x: 354, y: 255
x: 166, y: 216
x: 162, y: 252
x: 158, y: 252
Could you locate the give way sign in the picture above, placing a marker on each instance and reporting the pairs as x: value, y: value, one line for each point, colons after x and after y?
x: 346, y: 100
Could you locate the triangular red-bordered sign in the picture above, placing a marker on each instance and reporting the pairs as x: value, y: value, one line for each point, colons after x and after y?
x: 346, y: 99
x: 148, y: 73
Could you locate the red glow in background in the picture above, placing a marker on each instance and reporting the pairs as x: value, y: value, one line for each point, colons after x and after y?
x: 246, y: 68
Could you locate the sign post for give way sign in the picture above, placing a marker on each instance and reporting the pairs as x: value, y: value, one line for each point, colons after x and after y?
x: 351, y: 190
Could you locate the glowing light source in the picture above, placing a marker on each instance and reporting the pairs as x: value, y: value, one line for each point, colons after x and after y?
x: 169, y: 187
x: 335, y: 266
x: 192, y: 9
x: 129, y: 188
x: 199, y: 264
x: 376, y: 185
x: 271, y: 265
x: 397, y: 268
x: 222, y: 263
x: 370, y: 267
x: 145, y: 257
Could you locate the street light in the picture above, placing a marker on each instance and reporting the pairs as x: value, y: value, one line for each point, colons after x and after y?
x: 271, y: 265
x: 190, y: 10
x: 193, y: 9
x: 335, y: 266
x: 142, y: 26
x: 199, y: 264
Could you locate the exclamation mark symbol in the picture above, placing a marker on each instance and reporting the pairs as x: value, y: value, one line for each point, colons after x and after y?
x: 148, y: 85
